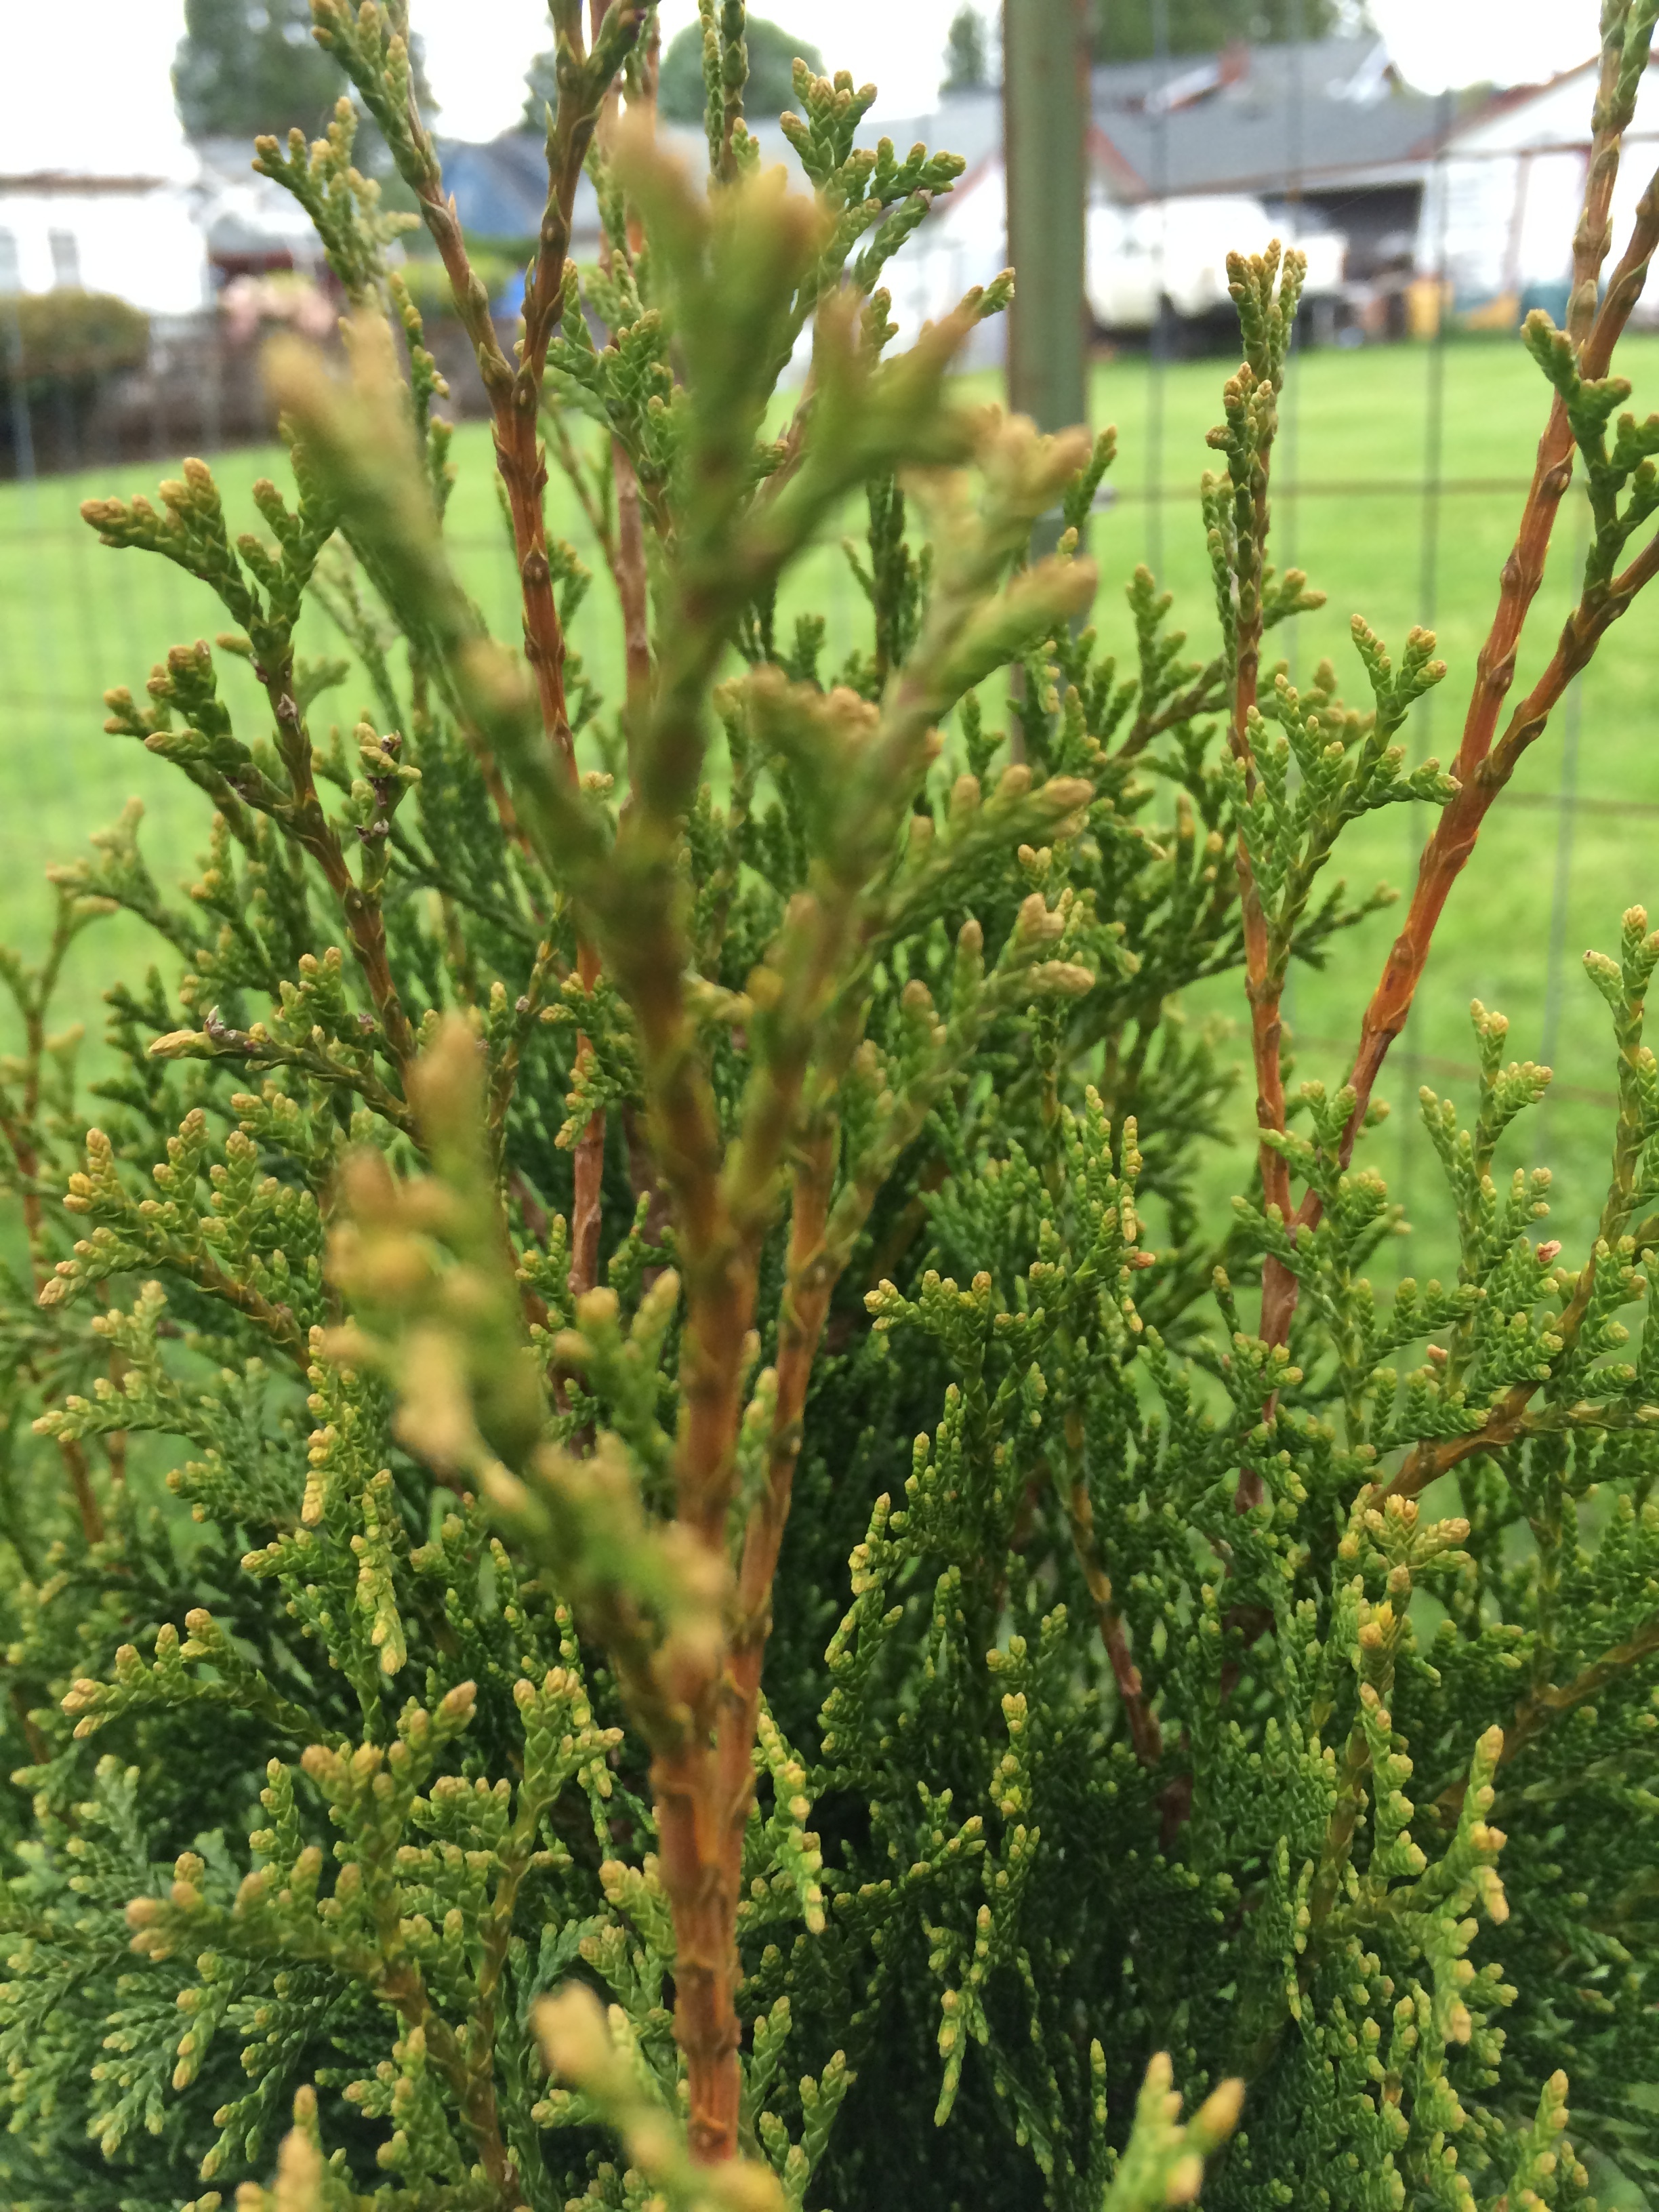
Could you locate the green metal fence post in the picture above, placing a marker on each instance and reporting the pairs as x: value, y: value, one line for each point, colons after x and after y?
x: 1045, y: 117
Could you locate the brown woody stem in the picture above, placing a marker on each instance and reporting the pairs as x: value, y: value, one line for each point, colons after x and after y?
x: 19, y: 1130
x: 1483, y: 767
x: 586, y: 1207
x: 1540, y: 1707
x: 630, y: 572
x: 704, y: 1785
x: 693, y: 1826
x: 312, y: 829
x: 624, y: 548
x: 473, y: 2083
x: 1263, y: 988
x: 693, y: 1820
x: 1145, y: 1731
x: 514, y: 403
x: 703, y: 1793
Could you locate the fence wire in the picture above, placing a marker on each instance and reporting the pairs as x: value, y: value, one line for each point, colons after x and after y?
x: 75, y: 619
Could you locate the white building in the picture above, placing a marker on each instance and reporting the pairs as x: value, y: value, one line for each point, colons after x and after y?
x: 963, y: 242
x: 250, y: 224
x: 163, y: 241
x: 1316, y: 143
x: 136, y: 236
x: 1500, y: 205
x: 94, y: 167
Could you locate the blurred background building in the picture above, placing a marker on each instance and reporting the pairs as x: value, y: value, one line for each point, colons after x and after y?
x: 132, y: 302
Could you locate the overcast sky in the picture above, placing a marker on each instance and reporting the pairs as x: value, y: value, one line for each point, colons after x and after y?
x: 86, y: 82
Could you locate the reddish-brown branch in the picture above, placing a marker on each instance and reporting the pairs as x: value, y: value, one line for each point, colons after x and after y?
x: 514, y: 394
x: 700, y: 1789
x: 1263, y: 988
x: 1145, y: 1731
x: 469, y: 2074
x: 513, y: 406
x: 311, y: 828
x: 587, y: 1205
x: 1481, y: 768
x: 625, y: 546
x: 514, y: 401
x: 19, y: 1135
x: 39, y: 1749
x: 534, y: 1213
x: 1437, y: 872
x: 1534, y: 1712
x: 812, y: 1275
x: 692, y: 1825
x: 1426, y: 1462
x: 704, y: 1787
x: 625, y: 549
x: 720, y: 1288
x: 630, y: 573
x: 719, y: 1316
x: 1448, y: 850
x: 1265, y: 991
x: 88, y: 1511
x: 1206, y: 695
x: 721, y: 1778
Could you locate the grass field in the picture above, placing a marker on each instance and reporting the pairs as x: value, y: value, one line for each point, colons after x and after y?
x: 76, y: 618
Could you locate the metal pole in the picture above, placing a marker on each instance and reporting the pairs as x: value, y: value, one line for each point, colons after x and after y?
x: 1290, y: 416
x: 11, y: 348
x: 1290, y: 412
x: 1428, y: 590
x: 1157, y: 338
x: 1045, y: 112
x: 1572, y: 716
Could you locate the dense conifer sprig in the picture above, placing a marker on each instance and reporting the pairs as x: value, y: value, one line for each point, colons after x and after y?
x: 646, y: 1559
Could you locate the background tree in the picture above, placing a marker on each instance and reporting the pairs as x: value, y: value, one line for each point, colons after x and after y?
x: 1124, y: 32
x: 245, y: 67
x: 965, y: 68
x: 769, y: 90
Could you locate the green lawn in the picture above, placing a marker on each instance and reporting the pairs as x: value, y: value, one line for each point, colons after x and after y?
x: 75, y: 619
x: 1361, y: 419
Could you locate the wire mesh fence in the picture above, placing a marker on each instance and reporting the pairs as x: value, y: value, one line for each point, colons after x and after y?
x: 1400, y: 470
x: 1448, y: 425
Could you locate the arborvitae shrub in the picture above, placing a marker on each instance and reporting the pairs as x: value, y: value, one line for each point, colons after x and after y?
x: 603, y: 1148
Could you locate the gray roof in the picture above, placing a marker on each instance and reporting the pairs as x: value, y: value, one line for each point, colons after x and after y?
x: 242, y: 212
x: 1261, y: 119
x: 1252, y: 119
x: 501, y: 186
x: 1226, y: 122
x: 965, y: 123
